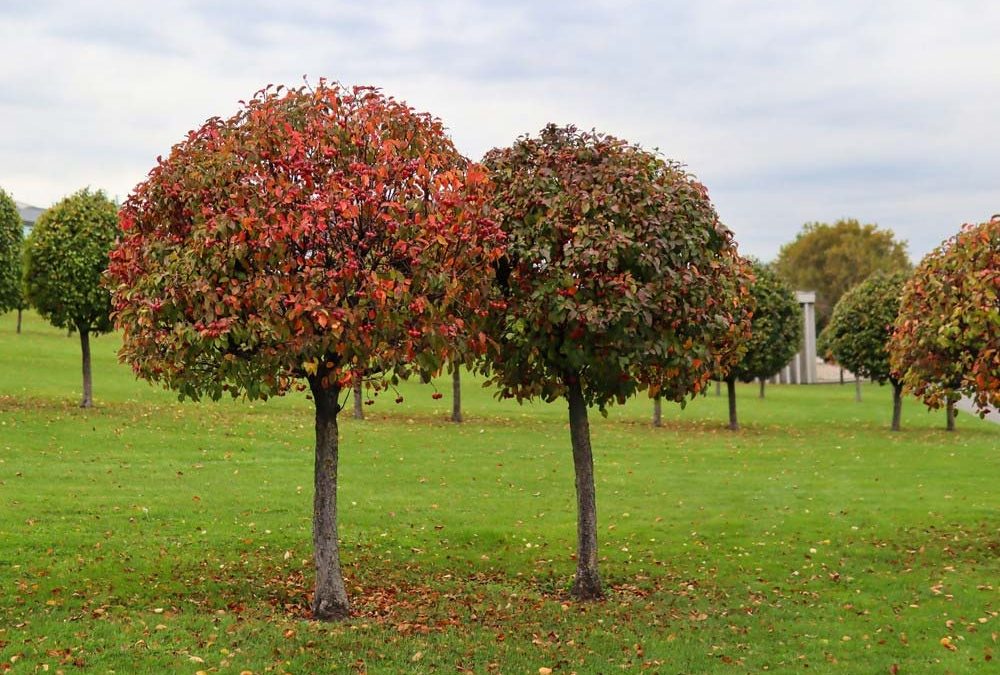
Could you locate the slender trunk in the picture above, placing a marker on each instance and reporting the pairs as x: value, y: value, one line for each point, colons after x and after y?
x: 456, y: 395
x: 718, y: 387
x: 734, y: 423
x: 762, y: 383
x: 19, y: 312
x: 950, y: 414
x: 359, y: 408
x: 857, y: 389
x: 841, y: 374
x: 657, y: 411
x: 88, y: 397
x: 897, y: 403
x: 330, y: 600
x: 587, y: 585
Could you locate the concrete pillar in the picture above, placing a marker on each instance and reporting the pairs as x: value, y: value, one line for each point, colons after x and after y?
x: 807, y: 353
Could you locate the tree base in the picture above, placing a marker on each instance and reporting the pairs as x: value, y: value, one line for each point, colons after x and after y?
x: 330, y: 610
x: 587, y: 585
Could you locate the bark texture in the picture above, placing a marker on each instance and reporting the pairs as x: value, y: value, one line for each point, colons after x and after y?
x: 88, y: 395
x: 897, y: 403
x: 456, y: 396
x: 657, y: 411
x: 359, y: 407
x: 587, y: 585
x: 734, y: 422
x: 330, y: 600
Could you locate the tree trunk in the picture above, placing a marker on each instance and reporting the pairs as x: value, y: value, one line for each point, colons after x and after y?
x: 587, y: 585
x: 762, y: 383
x: 19, y: 312
x: 841, y: 374
x: 857, y: 389
x: 734, y: 423
x: 718, y: 387
x: 456, y: 395
x: 657, y: 411
x: 897, y: 403
x: 330, y: 600
x: 950, y: 414
x: 359, y: 408
x: 88, y: 397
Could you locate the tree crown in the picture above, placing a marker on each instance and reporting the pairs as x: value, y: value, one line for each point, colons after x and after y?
x: 11, y: 245
x: 776, y: 327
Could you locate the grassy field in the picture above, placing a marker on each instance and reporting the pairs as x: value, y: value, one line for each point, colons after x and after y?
x: 147, y: 535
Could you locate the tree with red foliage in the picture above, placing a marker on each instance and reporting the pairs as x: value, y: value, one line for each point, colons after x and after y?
x: 328, y: 234
x: 618, y: 278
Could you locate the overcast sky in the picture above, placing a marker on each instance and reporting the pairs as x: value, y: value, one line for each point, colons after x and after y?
x: 789, y: 111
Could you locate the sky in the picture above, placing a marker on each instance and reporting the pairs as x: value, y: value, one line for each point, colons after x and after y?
x: 788, y: 111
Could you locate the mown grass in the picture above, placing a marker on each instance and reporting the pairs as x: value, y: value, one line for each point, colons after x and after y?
x: 147, y: 535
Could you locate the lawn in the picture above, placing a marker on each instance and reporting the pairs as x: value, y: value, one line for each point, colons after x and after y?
x: 147, y: 535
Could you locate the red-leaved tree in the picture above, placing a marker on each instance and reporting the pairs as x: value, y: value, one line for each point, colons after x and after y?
x: 328, y: 234
x: 618, y: 278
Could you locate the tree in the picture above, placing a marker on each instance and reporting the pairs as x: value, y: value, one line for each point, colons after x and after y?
x: 325, y: 234
x: 859, y: 331
x: 618, y: 277
x: 11, y: 244
x: 830, y: 259
x: 947, y: 336
x: 64, y: 259
x: 456, y: 394
x: 775, y: 333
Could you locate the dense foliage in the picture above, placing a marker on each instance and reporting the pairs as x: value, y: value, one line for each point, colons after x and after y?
x: 947, y: 337
x: 11, y: 244
x: 776, y: 327
x: 326, y: 234
x: 831, y: 259
x: 618, y: 277
x: 862, y: 324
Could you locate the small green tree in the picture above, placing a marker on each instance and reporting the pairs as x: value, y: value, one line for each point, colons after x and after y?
x: 775, y: 333
x: 859, y: 331
x: 11, y: 245
x: 618, y: 278
x: 65, y: 257
x: 947, y: 336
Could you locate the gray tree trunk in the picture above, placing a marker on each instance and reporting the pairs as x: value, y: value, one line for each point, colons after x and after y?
x: 88, y: 396
x: 950, y: 415
x: 359, y: 407
x: 456, y: 395
x: 734, y: 423
x: 897, y: 403
x: 19, y: 313
x: 587, y: 584
x: 841, y: 374
x: 857, y: 389
x: 762, y: 383
x: 718, y: 387
x: 330, y: 599
x: 657, y: 411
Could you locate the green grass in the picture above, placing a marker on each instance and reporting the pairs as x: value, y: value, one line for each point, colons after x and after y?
x: 147, y: 535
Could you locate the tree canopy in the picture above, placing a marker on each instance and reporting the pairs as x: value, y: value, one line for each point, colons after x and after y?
x: 11, y: 245
x: 862, y: 324
x: 947, y: 335
x: 64, y: 261
x: 618, y: 277
x: 830, y: 259
x: 320, y: 233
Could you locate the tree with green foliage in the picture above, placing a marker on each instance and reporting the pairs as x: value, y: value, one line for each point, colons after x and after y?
x: 859, y: 331
x: 947, y: 337
x: 64, y: 259
x: 775, y: 333
x: 831, y: 259
x: 322, y: 234
x: 11, y: 251
x: 619, y: 277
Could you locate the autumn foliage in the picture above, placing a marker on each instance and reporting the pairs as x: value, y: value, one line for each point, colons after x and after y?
x: 326, y: 234
x: 947, y: 337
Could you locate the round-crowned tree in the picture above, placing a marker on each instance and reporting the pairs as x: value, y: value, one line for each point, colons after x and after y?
x: 618, y: 277
x: 64, y: 259
x: 775, y: 333
x: 859, y: 331
x: 326, y: 233
x: 11, y: 246
x: 946, y: 341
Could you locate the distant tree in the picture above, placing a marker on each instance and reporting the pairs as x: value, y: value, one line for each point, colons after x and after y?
x: 64, y: 259
x: 323, y: 233
x: 619, y: 278
x: 859, y: 331
x: 947, y: 337
x: 830, y: 259
x: 775, y: 333
x: 11, y: 250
